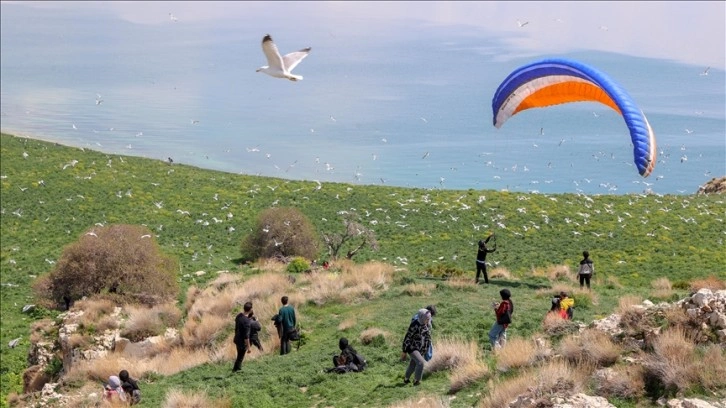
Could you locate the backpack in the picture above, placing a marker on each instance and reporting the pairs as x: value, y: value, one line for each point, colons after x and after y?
x: 506, y: 318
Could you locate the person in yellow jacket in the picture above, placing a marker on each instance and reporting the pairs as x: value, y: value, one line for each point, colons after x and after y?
x: 566, y: 305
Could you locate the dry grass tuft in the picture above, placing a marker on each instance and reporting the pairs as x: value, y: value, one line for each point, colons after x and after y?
x: 625, y: 382
x: 270, y: 265
x: 614, y: 282
x: 463, y: 376
x: 193, y: 293
x: 711, y: 282
x: 712, y: 372
x: 554, y: 325
x: 93, y: 309
x: 591, y: 347
x: 500, y: 272
x: 76, y: 340
x: 461, y: 283
x: 504, y: 391
x: 143, y: 322
x: 168, y: 363
x: 426, y: 401
x: 516, y: 353
x: 556, y: 272
x: 452, y: 353
x: 347, y: 324
x: 662, y: 288
x: 418, y: 289
x: 627, y: 302
x: 369, y: 335
x: 193, y: 399
x: 205, y: 331
x: 661, y: 284
x: 673, y: 360
x: 224, y: 280
x: 542, y: 382
x: 41, y: 329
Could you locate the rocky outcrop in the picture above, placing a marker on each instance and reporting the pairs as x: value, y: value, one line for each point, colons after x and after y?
x: 713, y: 186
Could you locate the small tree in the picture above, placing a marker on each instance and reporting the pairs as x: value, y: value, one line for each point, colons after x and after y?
x: 354, y: 237
x: 281, y: 232
x: 120, y: 259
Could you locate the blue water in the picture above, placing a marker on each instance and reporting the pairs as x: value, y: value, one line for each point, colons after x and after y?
x: 408, y: 108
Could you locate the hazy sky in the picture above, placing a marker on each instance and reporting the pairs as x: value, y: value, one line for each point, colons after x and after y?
x: 691, y: 32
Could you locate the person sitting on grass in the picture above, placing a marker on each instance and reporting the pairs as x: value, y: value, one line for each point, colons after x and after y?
x: 566, y: 306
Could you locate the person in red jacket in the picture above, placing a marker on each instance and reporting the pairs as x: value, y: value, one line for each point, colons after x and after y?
x: 503, y: 311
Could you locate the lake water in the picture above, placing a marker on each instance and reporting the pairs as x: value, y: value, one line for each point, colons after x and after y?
x: 411, y: 109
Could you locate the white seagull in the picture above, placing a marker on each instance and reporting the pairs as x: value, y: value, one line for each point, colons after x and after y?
x: 278, y: 66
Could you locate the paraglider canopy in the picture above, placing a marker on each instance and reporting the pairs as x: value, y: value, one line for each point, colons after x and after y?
x: 556, y: 81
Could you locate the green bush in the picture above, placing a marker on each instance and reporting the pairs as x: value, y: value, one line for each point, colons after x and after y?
x: 298, y: 265
x: 443, y: 271
x: 122, y: 260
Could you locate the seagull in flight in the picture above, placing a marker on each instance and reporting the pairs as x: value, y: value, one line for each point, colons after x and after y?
x: 705, y: 71
x: 521, y: 24
x: 279, y: 66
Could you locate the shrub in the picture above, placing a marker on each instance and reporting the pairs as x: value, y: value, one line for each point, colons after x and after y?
x: 620, y: 382
x: 673, y: 363
x: 298, y: 265
x: 281, y: 232
x: 121, y: 259
x: 516, y: 353
x: 711, y: 282
x: 443, y: 271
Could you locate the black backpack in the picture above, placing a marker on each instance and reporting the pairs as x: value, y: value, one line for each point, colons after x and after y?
x: 506, y: 318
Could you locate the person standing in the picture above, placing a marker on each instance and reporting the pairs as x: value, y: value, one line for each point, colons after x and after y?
x: 503, y: 312
x: 586, y: 270
x: 415, y: 345
x: 286, y: 316
x: 481, y: 258
x: 242, y: 336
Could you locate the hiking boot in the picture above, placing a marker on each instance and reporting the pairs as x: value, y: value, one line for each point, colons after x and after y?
x: 416, y: 383
x: 406, y: 381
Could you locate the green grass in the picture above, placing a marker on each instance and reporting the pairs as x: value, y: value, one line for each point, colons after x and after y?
x: 679, y: 237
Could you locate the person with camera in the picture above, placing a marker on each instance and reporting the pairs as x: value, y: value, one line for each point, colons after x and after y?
x: 503, y: 312
x: 255, y: 328
x: 481, y: 257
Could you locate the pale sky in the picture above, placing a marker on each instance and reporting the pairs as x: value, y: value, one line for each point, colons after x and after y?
x: 692, y: 32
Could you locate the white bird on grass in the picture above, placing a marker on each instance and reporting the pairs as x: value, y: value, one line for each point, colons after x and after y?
x: 279, y: 66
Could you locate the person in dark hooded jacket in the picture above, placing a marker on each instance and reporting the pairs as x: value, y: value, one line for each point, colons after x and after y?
x: 348, y: 359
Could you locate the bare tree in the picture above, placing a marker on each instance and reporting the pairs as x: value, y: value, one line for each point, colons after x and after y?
x: 354, y: 237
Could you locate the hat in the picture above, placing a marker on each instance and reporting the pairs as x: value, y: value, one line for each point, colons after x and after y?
x: 114, y: 382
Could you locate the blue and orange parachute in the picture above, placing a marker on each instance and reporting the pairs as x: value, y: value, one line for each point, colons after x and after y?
x: 557, y: 81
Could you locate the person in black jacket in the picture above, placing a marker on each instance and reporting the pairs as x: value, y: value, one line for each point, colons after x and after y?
x: 130, y: 386
x: 349, y: 359
x: 242, y: 335
x: 481, y: 258
x: 586, y: 269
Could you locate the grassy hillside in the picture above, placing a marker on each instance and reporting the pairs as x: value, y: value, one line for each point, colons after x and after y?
x: 52, y: 194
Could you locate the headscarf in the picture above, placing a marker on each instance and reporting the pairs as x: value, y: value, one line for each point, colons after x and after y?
x: 342, y: 343
x: 114, y: 382
x: 424, y: 315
